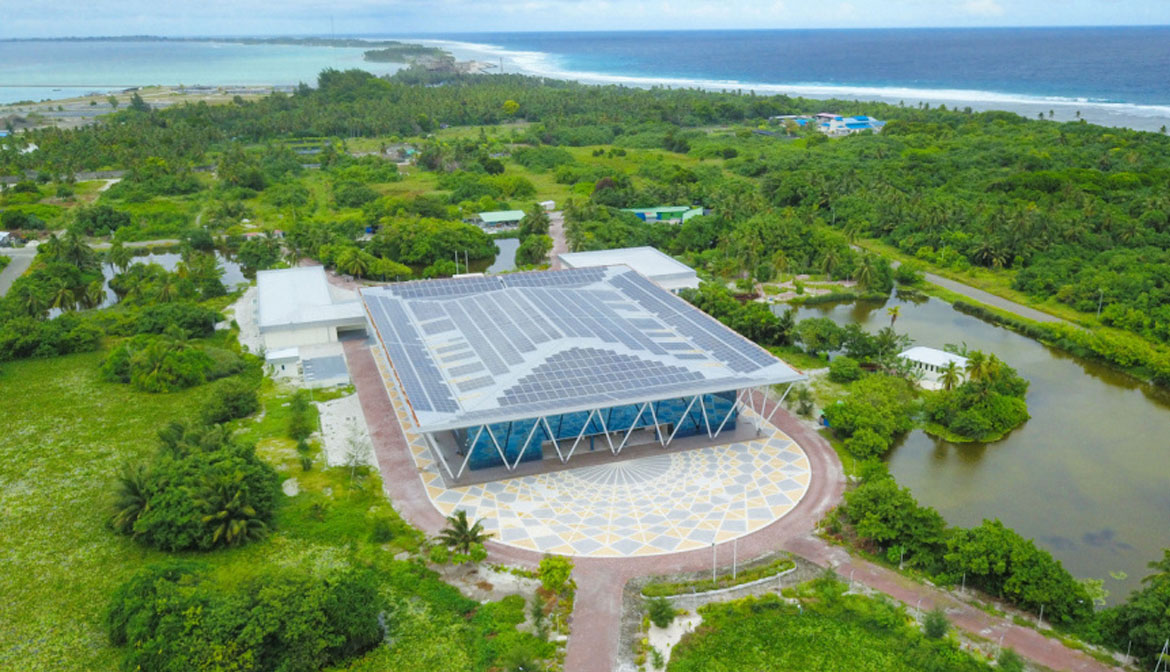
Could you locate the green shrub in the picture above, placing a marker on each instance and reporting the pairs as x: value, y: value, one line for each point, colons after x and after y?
x: 231, y: 399
x: 301, y: 419
x: 887, y: 516
x: 178, y: 616
x: 935, y: 625
x: 201, y: 490
x: 844, y: 369
x: 554, y: 573
x: 661, y: 611
x: 194, y: 320
x: 381, y: 530
x: 1009, y: 661
x: 866, y: 443
x: 878, y: 403
x: 164, y: 363
x: 439, y: 554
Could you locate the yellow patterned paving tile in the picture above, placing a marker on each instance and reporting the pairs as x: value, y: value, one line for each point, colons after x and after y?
x: 664, y: 503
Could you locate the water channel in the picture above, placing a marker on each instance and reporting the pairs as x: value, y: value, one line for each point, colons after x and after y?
x: 1088, y: 477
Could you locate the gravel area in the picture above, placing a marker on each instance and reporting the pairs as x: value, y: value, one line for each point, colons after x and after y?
x: 344, y: 436
x: 243, y: 311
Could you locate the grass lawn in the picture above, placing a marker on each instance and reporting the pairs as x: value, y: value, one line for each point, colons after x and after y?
x: 828, y: 632
x: 66, y: 435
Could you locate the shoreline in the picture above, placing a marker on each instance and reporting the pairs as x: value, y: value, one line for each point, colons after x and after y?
x: 1135, y: 116
x: 483, y: 58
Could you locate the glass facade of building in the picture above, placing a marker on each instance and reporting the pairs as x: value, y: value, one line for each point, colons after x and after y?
x: 670, y: 413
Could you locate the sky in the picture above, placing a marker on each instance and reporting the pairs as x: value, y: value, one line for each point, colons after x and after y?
x: 57, y: 18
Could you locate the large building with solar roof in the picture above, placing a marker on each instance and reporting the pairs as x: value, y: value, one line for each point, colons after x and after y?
x: 526, y: 366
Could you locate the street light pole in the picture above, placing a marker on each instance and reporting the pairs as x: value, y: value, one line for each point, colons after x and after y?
x: 712, y: 562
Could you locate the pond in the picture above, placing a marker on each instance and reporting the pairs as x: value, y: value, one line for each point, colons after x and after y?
x: 233, y: 273
x: 1088, y: 476
x: 506, y: 259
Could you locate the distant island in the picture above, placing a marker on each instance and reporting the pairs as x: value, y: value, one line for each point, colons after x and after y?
x: 378, y: 51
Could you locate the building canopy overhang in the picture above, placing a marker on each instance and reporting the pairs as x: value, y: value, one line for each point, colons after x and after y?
x: 471, y: 352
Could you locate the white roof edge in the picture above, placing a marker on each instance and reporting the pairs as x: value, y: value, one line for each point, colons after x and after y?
x: 933, y: 356
x: 639, y: 399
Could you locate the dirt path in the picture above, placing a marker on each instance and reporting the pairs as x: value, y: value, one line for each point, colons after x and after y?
x: 556, y: 231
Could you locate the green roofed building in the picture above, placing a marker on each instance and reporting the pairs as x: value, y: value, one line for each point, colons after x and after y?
x: 501, y: 218
x: 667, y: 213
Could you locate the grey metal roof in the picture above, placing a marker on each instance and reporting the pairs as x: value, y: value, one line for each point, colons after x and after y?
x: 300, y: 297
x: 476, y: 350
x: 649, y: 261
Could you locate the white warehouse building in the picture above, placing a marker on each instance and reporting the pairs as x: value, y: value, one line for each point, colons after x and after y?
x: 298, y: 308
x: 666, y: 271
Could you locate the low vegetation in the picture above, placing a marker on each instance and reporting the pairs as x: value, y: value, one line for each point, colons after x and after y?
x: 725, y: 580
x: 887, y: 520
x: 821, y: 630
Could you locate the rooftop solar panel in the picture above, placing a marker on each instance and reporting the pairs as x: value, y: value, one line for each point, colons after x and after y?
x: 489, y: 349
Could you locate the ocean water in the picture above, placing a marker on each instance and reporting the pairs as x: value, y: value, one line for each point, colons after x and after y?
x: 1113, y: 76
x: 62, y: 69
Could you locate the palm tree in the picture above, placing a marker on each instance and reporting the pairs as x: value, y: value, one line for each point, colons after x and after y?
x: 977, y: 366
x: 351, y: 262
x: 94, y: 293
x: 225, y: 506
x: 893, y: 312
x: 459, y: 535
x: 120, y: 256
x: 168, y: 290
x: 866, y: 272
x: 831, y: 260
x: 63, y: 298
x: 950, y: 376
x: 32, y: 300
x: 130, y: 497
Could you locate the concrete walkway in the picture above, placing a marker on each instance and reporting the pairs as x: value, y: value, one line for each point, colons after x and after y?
x: 981, y: 296
x: 991, y: 299
x: 596, y: 621
x: 22, y: 258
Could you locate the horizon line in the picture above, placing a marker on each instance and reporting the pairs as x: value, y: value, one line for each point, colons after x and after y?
x: 208, y: 36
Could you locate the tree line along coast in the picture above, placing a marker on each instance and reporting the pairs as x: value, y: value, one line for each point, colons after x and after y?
x: 381, y: 178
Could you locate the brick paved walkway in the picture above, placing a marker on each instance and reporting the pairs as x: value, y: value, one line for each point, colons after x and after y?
x: 596, y: 625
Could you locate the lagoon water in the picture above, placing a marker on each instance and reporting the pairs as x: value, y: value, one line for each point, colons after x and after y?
x: 1088, y: 476
x: 63, y: 69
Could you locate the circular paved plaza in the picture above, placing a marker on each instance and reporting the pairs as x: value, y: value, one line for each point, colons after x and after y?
x: 666, y: 503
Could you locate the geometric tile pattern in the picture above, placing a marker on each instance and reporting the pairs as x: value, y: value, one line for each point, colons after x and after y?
x: 645, y: 506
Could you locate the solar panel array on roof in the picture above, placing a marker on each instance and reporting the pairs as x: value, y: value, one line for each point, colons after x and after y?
x: 492, y: 349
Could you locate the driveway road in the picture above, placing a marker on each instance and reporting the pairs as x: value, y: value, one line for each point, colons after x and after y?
x: 22, y: 258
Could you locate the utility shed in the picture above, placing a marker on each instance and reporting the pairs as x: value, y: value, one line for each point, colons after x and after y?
x: 663, y: 269
x: 501, y: 218
x: 932, y: 361
x: 297, y: 307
